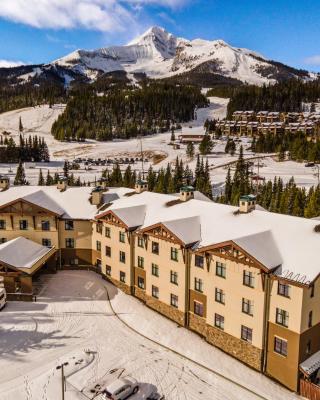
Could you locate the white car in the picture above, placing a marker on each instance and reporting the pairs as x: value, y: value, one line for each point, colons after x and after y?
x: 121, y: 388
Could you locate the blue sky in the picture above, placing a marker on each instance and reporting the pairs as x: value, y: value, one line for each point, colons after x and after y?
x: 36, y: 31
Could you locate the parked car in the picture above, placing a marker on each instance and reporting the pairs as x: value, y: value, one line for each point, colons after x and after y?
x: 121, y: 388
x: 309, y: 164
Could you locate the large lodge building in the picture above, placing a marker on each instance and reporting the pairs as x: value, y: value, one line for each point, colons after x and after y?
x: 246, y: 280
x: 250, y: 123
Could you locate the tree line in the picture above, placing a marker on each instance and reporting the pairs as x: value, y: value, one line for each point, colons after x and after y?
x: 126, y: 113
x: 274, y: 196
x: 31, y: 148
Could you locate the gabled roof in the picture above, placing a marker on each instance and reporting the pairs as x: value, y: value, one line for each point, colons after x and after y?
x: 132, y: 217
x: 262, y: 247
x: 22, y: 253
x: 41, y: 199
x: 188, y: 230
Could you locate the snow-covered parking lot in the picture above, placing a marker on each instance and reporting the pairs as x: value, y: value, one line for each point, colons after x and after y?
x: 73, y: 321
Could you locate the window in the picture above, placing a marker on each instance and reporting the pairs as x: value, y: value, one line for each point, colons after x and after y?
x: 3, y: 240
x: 174, y: 254
x: 221, y: 269
x: 46, y: 242
x: 248, y: 279
x: 155, y: 270
x: 2, y: 224
x: 108, y: 270
x: 283, y: 289
x: 98, y: 245
x: 219, y: 321
x: 122, y: 277
x: 107, y: 232
x: 69, y: 243
x: 174, y: 277
x: 68, y: 225
x: 23, y: 224
x: 108, y: 251
x: 122, y: 237
x: 99, y: 227
x: 282, y: 317
x: 246, y: 333
x: 140, y: 262
x: 310, y: 319
x: 198, y: 285
x: 198, y: 308
x: 122, y: 256
x: 155, y: 292
x: 155, y: 247
x: 174, y: 300
x: 219, y: 296
x: 199, y: 261
x: 247, y: 306
x: 140, y: 241
x: 140, y: 282
x: 280, y: 346
x: 45, y: 225
x: 312, y: 291
x: 308, y: 348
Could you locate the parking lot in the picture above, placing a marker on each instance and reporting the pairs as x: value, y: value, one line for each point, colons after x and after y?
x: 73, y: 321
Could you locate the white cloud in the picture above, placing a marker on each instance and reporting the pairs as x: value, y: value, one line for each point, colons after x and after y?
x: 314, y: 60
x: 101, y: 15
x: 8, y: 63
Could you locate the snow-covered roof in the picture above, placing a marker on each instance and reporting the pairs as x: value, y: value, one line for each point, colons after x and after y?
x: 22, y: 253
x: 311, y: 364
x: 271, y: 238
x: 132, y: 216
x: 73, y: 203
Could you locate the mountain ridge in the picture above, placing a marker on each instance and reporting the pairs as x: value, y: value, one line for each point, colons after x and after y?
x: 158, y: 54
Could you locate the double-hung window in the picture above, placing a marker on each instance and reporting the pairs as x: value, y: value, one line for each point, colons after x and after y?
x: 282, y: 317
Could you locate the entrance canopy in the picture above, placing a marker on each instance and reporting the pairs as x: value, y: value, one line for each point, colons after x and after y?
x: 24, y: 255
x: 311, y: 364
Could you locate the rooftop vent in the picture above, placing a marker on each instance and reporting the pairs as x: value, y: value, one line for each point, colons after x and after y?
x: 62, y: 183
x: 186, y: 193
x: 4, y: 182
x: 247, y: 203
x: 141, y: 186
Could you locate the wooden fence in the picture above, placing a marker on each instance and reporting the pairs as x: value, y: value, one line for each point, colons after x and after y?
x: 309, y: 390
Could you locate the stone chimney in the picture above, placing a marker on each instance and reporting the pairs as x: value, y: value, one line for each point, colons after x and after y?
x: 97, y: 195
x: 247, y: 203
x: 62, y: 183
x: 103, y: 183
x: 141, y: 186
x: 186, y: 193
x: 4, y: 182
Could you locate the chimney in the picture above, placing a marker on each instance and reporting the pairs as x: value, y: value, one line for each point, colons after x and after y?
x: 103, y: 183
x: 186, y: 193
x: 141, y: 186
x: 4, y: 182
x: 97, y: 195
x: 247, y: 203
x: 62, y: 183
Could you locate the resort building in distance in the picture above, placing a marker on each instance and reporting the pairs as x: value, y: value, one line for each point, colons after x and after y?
x: 246, y: 280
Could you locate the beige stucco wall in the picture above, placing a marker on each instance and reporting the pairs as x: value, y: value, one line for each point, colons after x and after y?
x: 82, y: 234
x: 36, y: 234
x: 234, y: 292
x: 310, y: 304
x: 165, y: 264
x: 292, y: 304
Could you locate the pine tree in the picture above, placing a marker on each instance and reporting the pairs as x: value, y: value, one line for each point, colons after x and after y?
x: 41, y: 179
x: 20, y: 178
x: 20, y: 125
x: 66, y: 168
x: 190, y: 150
x: 206, y: 145
x: 49, y: 179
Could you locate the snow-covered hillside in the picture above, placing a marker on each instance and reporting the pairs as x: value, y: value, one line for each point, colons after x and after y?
x: 160, y: 54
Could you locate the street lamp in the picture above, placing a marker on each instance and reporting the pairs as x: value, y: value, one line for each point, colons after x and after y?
x: 61, y: 366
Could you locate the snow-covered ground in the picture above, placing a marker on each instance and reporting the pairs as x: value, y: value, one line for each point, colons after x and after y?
x: 72, y: 321
x: 38, y: 120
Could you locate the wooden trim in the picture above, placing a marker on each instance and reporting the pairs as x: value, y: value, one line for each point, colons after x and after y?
x: 160, y: 231
x: 21, y: 201
x: 115, y: 220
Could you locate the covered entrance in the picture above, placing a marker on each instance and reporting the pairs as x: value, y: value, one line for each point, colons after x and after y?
x: 20, y: 260
x: 310, y: 381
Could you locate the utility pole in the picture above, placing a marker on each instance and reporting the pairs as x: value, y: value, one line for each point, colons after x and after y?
x: 63, y: 379
x: 318, y: 174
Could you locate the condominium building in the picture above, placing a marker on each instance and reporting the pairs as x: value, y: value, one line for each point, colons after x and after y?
x: 246, y: 280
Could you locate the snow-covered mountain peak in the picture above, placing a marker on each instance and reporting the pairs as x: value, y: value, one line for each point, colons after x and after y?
x: 158, y: 53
